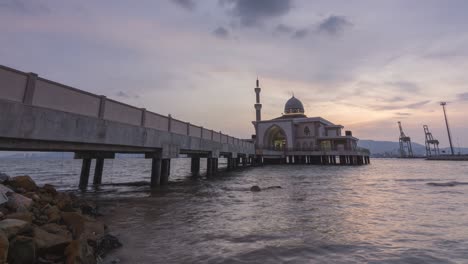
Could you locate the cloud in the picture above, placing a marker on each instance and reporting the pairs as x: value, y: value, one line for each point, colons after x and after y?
x: 384, y: 107
x: 301, y: 33
x: 405, y: 86
x: 24, y: 6
x: 221, y: 32
x: 402, y: 114
x: 253, y: 12
x: 123, y: 94
x: 186, y: 4
x: 462, y: 96
x: 418, y: 104
x: 284, y: 29
x: 333, y: 25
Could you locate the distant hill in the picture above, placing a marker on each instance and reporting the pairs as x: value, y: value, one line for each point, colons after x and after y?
x: 391, y: 149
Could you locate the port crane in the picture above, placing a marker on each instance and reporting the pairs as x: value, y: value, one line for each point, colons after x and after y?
x: 432, y: 145
x: 406, y: 151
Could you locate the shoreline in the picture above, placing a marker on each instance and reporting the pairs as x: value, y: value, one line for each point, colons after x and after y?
x: 39, y: 224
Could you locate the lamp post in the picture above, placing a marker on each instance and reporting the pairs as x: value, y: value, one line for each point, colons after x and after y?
x: 448, y: 129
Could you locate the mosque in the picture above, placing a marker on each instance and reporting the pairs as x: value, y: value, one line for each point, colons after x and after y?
x: 295, y: 138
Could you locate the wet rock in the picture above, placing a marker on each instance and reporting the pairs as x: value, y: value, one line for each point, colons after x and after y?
x: 4, y: 245
x: 12, y: 227
x: 58, y: 230
x: 107, y: 243
x: 78, y: 251
x: 22, y: 250
x: 18, y: 202
x: 93, y: 230
x: 49, y: 243
x: 255, y: 188
x: 274, y: 187
x: 25, y: 216
x: 23, y: 182
x: 4, y: 177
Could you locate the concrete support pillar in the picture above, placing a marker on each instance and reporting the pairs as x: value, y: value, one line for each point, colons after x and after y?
x: 98, y: 171
x: 215, y: 166
x: 195, y: 166
x: 342, y: 160
x: 84, y: 177
x: 209, y: 167
x: 165, y: 169
x: 155, y: 172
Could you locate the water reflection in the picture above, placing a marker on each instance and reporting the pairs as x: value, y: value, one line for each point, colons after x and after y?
x: 382, y: 213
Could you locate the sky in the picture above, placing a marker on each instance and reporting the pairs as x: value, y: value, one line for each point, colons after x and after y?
x: 364, y: 64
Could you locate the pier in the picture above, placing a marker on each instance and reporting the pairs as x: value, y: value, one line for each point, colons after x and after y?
x: 43, y: 115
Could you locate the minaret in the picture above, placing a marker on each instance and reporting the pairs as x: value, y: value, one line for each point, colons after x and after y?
x: 258, y: 105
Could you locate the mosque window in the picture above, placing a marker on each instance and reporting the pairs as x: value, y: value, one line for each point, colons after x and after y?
x: 306, y: 131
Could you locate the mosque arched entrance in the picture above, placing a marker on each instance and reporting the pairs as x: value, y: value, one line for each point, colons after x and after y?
x: 275, y: 138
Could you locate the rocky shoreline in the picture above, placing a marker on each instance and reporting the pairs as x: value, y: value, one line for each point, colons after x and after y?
x: 43, y: 225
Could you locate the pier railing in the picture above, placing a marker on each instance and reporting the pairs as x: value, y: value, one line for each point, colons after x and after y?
x: 30, y: 89
x: 318, y: 149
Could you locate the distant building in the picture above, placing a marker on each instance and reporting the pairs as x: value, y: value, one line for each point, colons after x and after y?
x: 294, y: 136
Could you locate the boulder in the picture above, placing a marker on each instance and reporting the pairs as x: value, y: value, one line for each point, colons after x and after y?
x: 53, y: 214
x: 63, y: 202
x: 106, y: 243
x: 4, y: 244
x: 25, y: 216
x: 57, y: 229
x: 4, y: 177
x: 23, y: 182
x: 48, y: 242
x: 22, y: 250
x: 12, y: 227
x: 49, y: 188
x: 79, y: 252
x: 18, y: 202
x: 75, y: 222
x: 93, y: 230
x: 4, y: 191
x: 255, y: 188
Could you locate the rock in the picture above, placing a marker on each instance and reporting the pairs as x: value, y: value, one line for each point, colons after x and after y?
x: 49, y: 243
x: 4, y: 193
x: 4, y: 177
x: 13, y: 227
x: 36, y: 198
x: 25, y: 216
x: 58, y: 230
x: 255, y: 188
x: 18, y: 202
x: 53, y: 214
x: 274, y: 187
x: 107, y: 243
x: 75, y: 223
x: 63, y: 202
x: 78, y: 251
x: 93, y: 230
x: 24, y: 182
x: 2, y: 216
x: 4, y: 244
x: 22, y: 250
x: 49, y: 188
